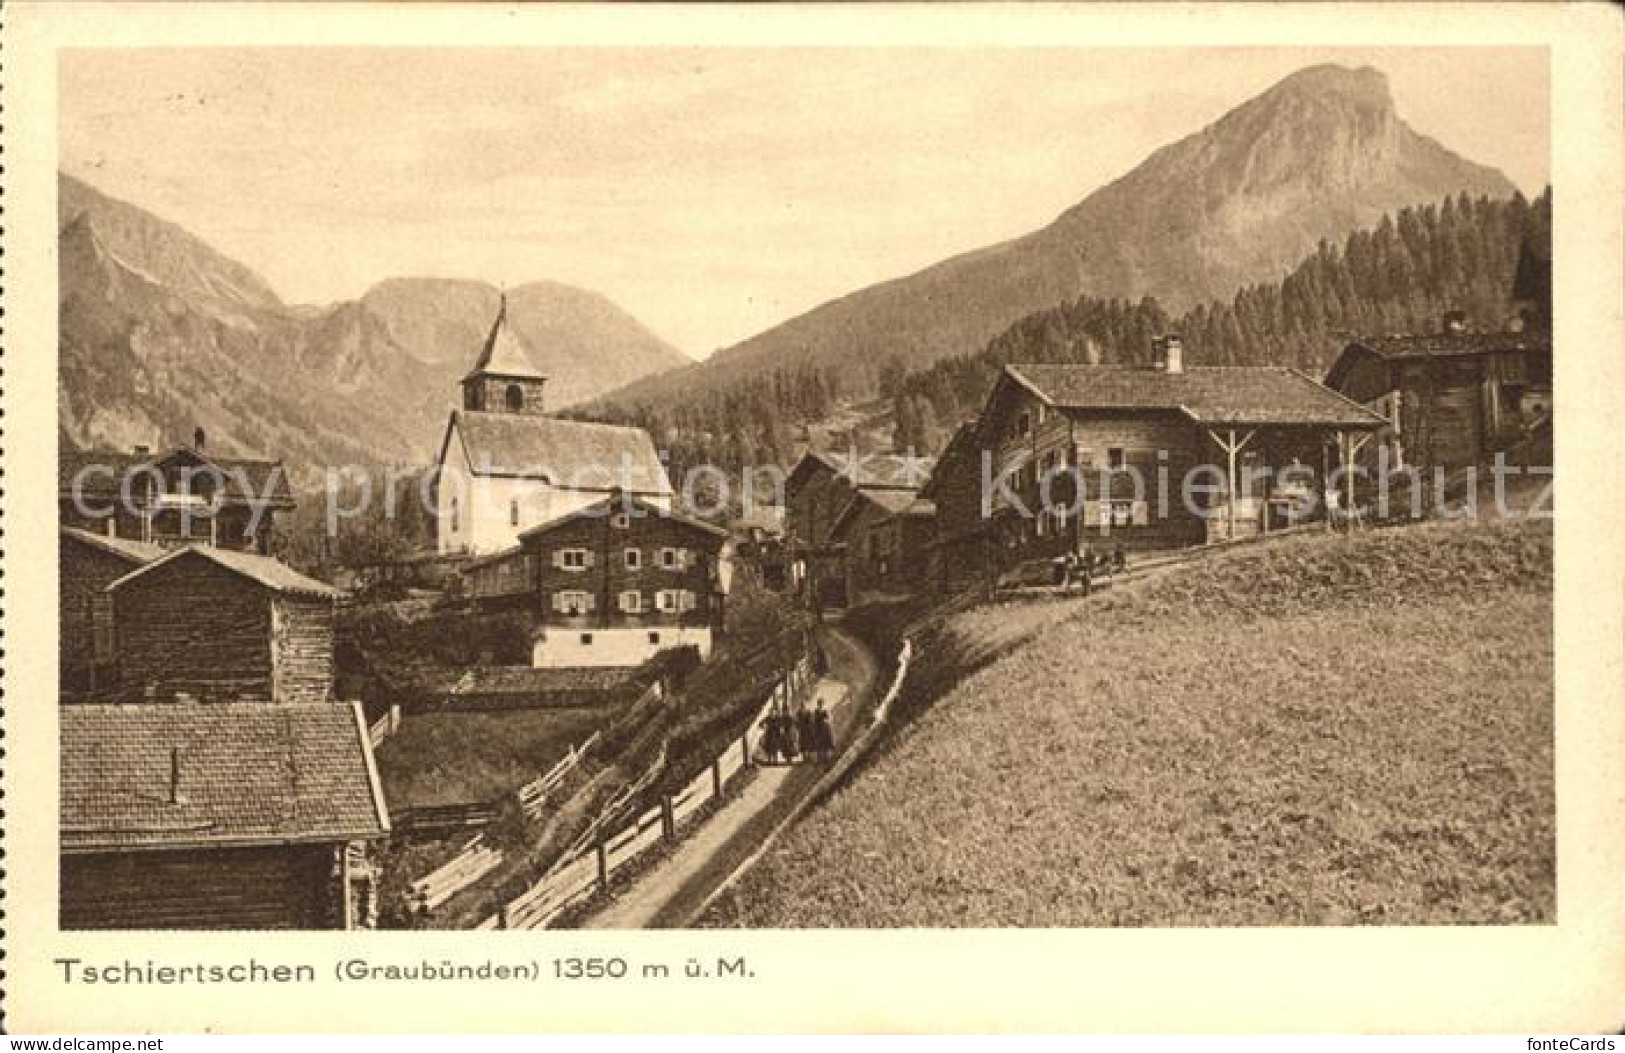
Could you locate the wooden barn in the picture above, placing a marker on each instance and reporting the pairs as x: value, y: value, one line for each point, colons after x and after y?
x: 87, y: 564
x: 227, y: 816
x: 1066, y: 457
x: 816, y: 493
x: 212, y: 625
x: 173, y: 498
x: 884, y: 536
x: 611, y: 584
x: 1450, y: 398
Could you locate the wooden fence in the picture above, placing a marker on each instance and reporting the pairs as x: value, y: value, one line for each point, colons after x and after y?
x: 385, y: 726
x: 477, y: 859
x: 596, y: 857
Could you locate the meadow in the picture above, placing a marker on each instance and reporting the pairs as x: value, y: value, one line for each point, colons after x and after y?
x: 1315, y: 731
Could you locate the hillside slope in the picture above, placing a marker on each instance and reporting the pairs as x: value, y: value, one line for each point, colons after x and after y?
x: 160, y: 333
x: 1243, y: 200
x: 1312, y: 731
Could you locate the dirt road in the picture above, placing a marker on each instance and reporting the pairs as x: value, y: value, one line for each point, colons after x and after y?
x: 678, y: 884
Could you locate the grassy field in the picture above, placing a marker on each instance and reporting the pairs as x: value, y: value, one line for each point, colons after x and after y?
x: 1314, y: 731
x: 461, y: 758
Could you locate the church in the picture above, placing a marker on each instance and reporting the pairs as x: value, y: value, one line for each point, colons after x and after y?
x: 507, y: 467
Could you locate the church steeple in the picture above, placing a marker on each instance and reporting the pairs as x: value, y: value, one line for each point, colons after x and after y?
x: 503, y: 379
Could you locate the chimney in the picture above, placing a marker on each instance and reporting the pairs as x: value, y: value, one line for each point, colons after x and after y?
x: 198, y: 438
x: 1455, y: 321
x: 1168, y: 353
x: 175, y: 795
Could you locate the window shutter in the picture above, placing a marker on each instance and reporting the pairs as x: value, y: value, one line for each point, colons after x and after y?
x: 1142, y: 513
x: 586, y: 557
x: 558, y: 559
x: 1091, y: 513
x: 558, y: 597
x: 591, y: 603
x: 688, y: 600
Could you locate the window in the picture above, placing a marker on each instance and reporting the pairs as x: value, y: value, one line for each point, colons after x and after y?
x: 633, y: 558
x: 672, y: 601
x: 654, y: 638
x: 513, y: 512
x: 632, y: 602
x: 1115, y: 459
x: 1024, y: 425
x: 586, y: 639
x: 572, y: 559
x: 671, y: 558
x: 620, y: 521
x: 572, y: 602
x: 515, y: 398
x: 455, y: 519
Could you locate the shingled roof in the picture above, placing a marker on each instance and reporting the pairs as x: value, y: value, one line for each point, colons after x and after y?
x: 1453, y: 344
x: 874, y: 471
x: 890, y: 502
x: 127, y: 549
x: 502, y: 354
x: 248, y: 774
x: 101, y: 473
x: 609, y: 506
x: 579, y: 454
x: 273, y: 574
x: 1206, y: 394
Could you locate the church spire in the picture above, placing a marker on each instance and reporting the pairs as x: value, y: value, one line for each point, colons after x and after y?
x: 503, y: 378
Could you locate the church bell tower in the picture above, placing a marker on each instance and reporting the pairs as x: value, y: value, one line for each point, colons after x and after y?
x: 503, y: 380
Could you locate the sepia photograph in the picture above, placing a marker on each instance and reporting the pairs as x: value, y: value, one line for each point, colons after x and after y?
x: 555, y: 482
x: 545, y: 490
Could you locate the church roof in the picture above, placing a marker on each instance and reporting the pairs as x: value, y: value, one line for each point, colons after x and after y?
x: 571, y: 453
x: 503, y: 355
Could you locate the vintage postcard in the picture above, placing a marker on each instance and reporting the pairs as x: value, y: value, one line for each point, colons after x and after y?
x: 837, y: 519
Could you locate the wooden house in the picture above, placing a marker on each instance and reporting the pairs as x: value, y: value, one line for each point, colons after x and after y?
x: 961, y: 552
x: 87, y: 564
x: 1066, y: 457
x: 611, y: 584
x: 1462, y: 394
x: 506, y: 466
x: 213, y: 625
x: 224, y: 816
x: 884, y: 536
x: 1451, y: 398
x: 816, y: 492
x: 173, y: 498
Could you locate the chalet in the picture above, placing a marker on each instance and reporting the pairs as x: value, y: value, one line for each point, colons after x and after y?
x: 610, y: 584
x: 226, y: 816
x: 1067, y: 456
x: 506, y: 466
x: 1460, y: 395
x: 759, y: 542
x: 960, y: 549
x: 174, y: 498
x: 884, y: 536
x: 213, y: 625
x: 816, y: 492
x: 87, y: 564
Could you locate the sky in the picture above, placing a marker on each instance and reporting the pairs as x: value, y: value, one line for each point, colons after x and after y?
x: 712, y: 193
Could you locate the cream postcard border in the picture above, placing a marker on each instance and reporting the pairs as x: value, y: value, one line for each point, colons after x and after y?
x: 1567, y: 977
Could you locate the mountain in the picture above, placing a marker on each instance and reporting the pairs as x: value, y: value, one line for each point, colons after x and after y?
x: 1243, y: 200
x: 160, y: 333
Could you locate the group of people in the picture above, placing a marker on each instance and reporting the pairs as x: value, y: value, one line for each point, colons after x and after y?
x: 800, y: 734
x: 1079, y: 569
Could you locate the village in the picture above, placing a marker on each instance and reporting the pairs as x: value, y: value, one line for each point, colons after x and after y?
x: 582, y: 689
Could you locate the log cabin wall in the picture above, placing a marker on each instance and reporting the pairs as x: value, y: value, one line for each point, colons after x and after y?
x: 302, y: 636
x: 284, y: 887
x: 609, y: 573
x: 194, y: 628
x: 85, y: 630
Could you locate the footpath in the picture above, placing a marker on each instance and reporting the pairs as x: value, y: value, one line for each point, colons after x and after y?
x: 673, y: 888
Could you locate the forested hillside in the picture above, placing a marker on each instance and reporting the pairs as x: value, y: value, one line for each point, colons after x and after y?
x: 1398, y: 276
